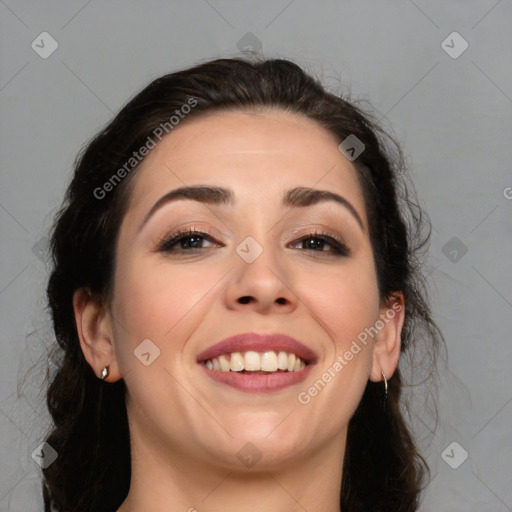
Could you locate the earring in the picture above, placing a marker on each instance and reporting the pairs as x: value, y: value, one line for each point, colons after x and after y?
x: 104, y: 373
x: 385, y: 384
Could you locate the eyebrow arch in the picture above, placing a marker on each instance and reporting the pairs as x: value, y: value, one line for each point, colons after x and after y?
x: 295, y: 197
x: 302, y: 196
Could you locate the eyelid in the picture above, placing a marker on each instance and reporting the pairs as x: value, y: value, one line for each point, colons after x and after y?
x: 335, y: 241
x: 305, y: 231
x: 179, y: 232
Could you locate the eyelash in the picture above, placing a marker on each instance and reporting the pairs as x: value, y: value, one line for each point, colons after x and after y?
x: 167, y: 243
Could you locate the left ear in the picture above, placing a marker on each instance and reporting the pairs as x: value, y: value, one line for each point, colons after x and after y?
x: 386, y: 351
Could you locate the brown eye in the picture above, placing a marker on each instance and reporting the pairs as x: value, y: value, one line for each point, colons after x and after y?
x: 317, y: 242
x: 186, y: 241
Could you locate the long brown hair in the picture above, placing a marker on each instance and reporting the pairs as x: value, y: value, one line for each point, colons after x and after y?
x: 383, y: 469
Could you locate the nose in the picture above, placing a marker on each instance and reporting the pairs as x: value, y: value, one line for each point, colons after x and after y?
x: 264, y: 285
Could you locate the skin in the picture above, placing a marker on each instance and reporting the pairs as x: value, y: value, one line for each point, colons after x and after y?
x: 185, y: 428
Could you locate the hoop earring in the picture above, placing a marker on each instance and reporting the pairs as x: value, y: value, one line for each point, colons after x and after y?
x: 385, y: 384
x: 104, y: 373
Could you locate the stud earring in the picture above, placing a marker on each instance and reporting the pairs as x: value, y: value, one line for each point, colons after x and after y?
x: 104, y: 373
x: 385, y: 384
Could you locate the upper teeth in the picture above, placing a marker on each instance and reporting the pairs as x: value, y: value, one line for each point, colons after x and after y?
x: 254, y: 361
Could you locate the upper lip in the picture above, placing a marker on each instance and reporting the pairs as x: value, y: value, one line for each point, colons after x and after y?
x: 258, y: 343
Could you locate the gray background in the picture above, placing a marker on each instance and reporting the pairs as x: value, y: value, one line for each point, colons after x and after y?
x: 452, y: 115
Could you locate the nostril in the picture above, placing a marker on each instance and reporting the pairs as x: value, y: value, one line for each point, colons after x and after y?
x: 281, y: 301
x: 244, y: 300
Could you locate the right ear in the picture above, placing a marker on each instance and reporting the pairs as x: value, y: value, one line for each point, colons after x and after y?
x: 94, y: 327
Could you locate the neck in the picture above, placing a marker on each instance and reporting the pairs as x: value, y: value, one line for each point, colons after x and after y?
x: 163, y: 480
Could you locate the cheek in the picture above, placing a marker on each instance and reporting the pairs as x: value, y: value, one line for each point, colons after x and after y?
x: 154, y: 301
x: 345, y: 301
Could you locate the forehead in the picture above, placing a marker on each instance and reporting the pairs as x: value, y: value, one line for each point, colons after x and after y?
x: 244, y: 150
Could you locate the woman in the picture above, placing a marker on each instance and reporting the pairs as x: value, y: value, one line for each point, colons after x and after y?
x: 234, y: 283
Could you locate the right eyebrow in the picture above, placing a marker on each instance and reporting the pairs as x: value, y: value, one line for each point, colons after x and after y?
x: 202, y: 193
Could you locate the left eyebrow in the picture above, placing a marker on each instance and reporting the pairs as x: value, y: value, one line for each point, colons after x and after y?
x: 303, y: 196
x: 296, y: 197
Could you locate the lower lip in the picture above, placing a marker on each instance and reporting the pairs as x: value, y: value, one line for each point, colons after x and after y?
x: 258, y: 383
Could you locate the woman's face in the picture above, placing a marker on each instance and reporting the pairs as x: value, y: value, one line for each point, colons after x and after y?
x: 258, y: 264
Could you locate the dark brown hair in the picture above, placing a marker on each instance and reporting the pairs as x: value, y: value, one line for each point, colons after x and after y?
x: 382, y: 469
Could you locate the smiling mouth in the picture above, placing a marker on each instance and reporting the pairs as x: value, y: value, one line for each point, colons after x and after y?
x: 256, y: 363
